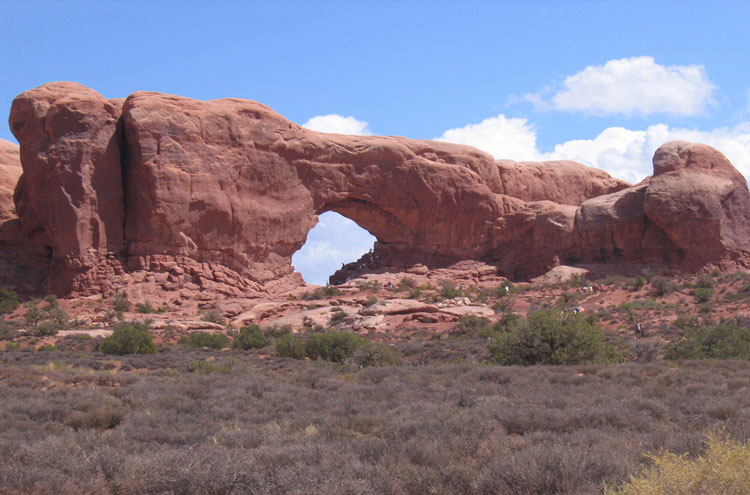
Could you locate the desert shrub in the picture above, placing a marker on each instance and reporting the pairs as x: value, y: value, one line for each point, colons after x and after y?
x: 120, y: 302
x: 102, y: 418
x: 290, y: 346
x: 703, y: 294
x: 371, y: 300
x: 374, y: 354
x: 206, y: 339
x: 729, y: 339
x: 321, y: 293
x: 145, y: 308
x: 662, y: 286
x: 406, y: 283
x: 415, y: 293
x: 47, y: 328
x: 333, y: 346
x: 723, y: 468
x: 704, y: 282
x: 338, y: 316
x: 33, y: 315
x: 448, y: 290
x: 48, y: 348
x: 8, y: 301
x: 470, y: 325
x: 250, y: 337
x: 214, y: 316
x: 638, y: 282
x: 551, y: 337
x: 129, y: 338
x: 644, y: 351
x: 276, y: 331
x: 208, y: 366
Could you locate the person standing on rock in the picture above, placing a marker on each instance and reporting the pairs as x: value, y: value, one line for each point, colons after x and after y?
x: 638, y: 330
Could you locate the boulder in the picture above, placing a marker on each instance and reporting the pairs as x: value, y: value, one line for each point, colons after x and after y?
x: 702, y: 204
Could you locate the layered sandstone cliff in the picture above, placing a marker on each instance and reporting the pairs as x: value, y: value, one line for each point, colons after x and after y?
x: 218, y: 195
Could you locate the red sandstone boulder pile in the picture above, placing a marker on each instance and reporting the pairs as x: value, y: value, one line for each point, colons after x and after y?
x: 216, y: 196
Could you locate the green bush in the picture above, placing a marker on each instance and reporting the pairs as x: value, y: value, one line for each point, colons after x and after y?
x: 47, y: 328
x: 146, y: 308
x: 448, y: 290
x: 729, y: 339
x: 703, y: 294
x: 471, y: 325
x: 214, y: 316
x: 551, y: 337
x: 321, y: 293
x: 206, y: 339
x: 406, y: 283
x: 8, y: 301
x: 250, y: 337
x: 374, y: 354
x: 723, y: 469
x: 333, y: 346
x: 662, y: 286
x: 638, y: 282
x: 129, y: 338
x: 120, y: 302
x: 276, y: 331
x: 338, y: 316
x: 290, y: 346
x: 704, y: 282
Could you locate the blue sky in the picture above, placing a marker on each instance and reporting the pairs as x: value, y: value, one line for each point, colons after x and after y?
x: 604, y: 83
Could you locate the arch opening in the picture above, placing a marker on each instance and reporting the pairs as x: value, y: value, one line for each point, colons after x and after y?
x: 335, y: 241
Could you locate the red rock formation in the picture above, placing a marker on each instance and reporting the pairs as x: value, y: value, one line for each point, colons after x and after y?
x: 218, y: 195
x: 563, y: 182
x: 10, y: 171
x: 693, y: 213
x: 70, y: 197
x: 702, y: 203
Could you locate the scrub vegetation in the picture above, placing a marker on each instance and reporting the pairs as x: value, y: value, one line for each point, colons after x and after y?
x: 192, y: 420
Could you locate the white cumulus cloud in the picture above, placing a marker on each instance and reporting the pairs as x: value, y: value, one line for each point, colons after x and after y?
x: 628, y: 86
x: 627, y: 154
x: 624, y: 153
x: 500, y: 136
x: 337, y: 124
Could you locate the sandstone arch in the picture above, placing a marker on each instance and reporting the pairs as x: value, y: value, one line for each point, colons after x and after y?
x: 220, y: 194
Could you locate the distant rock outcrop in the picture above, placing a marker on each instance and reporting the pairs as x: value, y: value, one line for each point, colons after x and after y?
x: 217, y: 196
x: 10, y: 172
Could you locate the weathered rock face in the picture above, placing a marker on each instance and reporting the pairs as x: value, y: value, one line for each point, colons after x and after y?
x: 218, y: 195
x: 10, y: 171
x: 694, y: 213
x: 563, y: 182
x: 70, y: 197
x: 701, y: 202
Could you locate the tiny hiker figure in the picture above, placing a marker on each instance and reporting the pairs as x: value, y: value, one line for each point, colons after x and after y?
x: 638, y: 331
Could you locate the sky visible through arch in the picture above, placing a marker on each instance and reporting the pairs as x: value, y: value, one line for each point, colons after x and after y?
x: 603, y: 83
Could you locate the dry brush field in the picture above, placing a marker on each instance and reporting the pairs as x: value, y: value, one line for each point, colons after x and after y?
x: 198, y: 421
